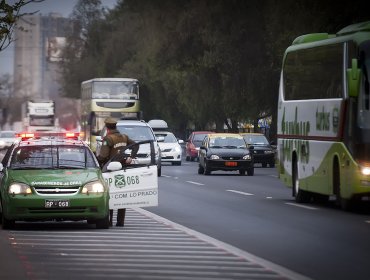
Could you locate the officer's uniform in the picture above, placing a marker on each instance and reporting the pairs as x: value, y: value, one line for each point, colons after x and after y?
x: 113, y: 142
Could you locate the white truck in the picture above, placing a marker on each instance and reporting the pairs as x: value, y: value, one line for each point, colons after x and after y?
x: 38, y: 115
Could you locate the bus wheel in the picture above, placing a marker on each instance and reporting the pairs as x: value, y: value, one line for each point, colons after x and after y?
x: 344, y: 203
x: 301, y: 196
x: 320, y: 198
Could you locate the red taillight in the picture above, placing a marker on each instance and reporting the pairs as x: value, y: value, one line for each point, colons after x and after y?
x: 71, y: 134
x: 25, y: 135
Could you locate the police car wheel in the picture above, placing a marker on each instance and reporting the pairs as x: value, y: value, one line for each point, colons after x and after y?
x: 102, y: 223
x: 7, y: 224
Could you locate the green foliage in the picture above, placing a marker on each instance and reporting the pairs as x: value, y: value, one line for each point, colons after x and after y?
x: 200, y: 62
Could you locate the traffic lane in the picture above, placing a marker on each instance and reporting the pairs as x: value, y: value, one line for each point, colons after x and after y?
x: 148, y: 247
x: 263, y: 183
x: 271, y: 228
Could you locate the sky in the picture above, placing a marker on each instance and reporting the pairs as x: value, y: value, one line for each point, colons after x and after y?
x: 63, y: 7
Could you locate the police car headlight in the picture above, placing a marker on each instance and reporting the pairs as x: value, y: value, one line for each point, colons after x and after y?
x: 214, y: 157
x: 247, y: 157
x: 93, y: 187
x: 19, y: 188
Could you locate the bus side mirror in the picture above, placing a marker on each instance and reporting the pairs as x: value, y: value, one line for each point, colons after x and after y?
x: 353, y: 79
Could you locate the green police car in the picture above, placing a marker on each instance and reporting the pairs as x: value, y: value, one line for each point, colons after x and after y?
x: 52, y: 177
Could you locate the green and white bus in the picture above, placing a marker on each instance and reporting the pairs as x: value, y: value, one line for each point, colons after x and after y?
x: 324, y: 116
x: 107, y: 97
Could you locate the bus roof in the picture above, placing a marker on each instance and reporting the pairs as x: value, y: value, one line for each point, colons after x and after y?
x: 351, y: 32
x: 110, y: 80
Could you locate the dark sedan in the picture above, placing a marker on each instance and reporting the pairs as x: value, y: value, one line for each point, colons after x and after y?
x: 263, y: 152
x: 226, y: 152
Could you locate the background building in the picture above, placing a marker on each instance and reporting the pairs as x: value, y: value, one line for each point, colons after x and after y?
x: 38, y: 49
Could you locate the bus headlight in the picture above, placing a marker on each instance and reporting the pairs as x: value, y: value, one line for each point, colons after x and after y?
x: 93, y: 187
x: 19, y: 188
x: 365, y: 170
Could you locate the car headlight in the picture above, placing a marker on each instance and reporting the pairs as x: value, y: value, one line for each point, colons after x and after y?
x: 2, y: 143
x: 247, y: 157
x: 178, y: 149
x: 93, y: 187
x: 19, y: 188
x: 214, y: 157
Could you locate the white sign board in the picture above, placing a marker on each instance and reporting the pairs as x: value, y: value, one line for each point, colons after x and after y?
x: 133, y: 187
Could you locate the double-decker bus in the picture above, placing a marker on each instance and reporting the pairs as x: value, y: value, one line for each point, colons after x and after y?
x: 107, y: 97
x: 324, y: 116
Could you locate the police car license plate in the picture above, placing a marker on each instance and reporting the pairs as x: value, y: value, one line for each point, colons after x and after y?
x: 56, y: 203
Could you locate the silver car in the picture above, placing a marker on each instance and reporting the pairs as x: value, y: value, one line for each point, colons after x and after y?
x: 137, y: 131
x: 7, y: 138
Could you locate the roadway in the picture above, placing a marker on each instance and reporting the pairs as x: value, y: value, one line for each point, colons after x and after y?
x: 222, y: 226
x: 257, y: 214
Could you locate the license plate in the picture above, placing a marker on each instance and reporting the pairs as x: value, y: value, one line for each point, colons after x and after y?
x: 56, y: 203
x: 231, y: 163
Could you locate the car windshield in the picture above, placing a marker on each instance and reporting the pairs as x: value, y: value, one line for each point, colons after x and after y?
x: 136, y: 133
x: 168, y: 137
x: 256, y: 139
x: 50, y: 157
x: 227, y: 142
x: 198, y: 139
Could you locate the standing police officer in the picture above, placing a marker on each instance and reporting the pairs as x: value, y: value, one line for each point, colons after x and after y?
x: 113, y: 142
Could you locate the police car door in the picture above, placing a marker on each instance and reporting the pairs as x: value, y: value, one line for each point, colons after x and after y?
x: 134, y: 185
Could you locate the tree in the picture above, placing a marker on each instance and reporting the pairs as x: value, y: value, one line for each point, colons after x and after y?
x: 9, y: 14
x: 204, y: 63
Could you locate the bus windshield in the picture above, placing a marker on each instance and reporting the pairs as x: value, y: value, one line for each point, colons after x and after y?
x: 115, y: 90
x: 364, y: 98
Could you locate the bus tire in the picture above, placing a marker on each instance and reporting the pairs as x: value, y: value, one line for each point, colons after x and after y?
x: 343, y: 203
x: 300, y: 195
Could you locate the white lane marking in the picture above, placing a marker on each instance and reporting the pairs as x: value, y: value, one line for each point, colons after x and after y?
x: 302, y: 206
x: 166, y: 176
x: 195, y: 183
x: 275, y: 176
x: 243, y: 193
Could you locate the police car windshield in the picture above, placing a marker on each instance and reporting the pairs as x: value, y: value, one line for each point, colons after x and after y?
x: 136, y: 133
x: 50, y: 157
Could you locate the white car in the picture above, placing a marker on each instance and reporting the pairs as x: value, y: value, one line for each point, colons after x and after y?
x: 170, y: 147
x: 7, y: 138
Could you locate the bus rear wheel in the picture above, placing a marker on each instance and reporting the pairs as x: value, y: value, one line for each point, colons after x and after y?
x: 300, y: 195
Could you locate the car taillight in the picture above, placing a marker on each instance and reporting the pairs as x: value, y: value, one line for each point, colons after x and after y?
x: 25, y: 135
x: 72, y: 135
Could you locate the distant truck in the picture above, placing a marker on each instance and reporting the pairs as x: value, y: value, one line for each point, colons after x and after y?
x: 38, y: 115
